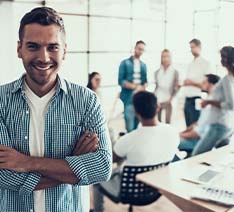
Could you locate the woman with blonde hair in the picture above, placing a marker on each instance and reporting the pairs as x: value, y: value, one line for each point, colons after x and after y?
x: 166, y: 80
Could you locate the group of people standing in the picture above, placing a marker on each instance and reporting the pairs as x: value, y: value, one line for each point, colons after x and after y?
x: 219, y: 107
x: 133, y: 77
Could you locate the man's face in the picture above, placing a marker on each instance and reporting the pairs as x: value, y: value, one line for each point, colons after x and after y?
x: 195, y: 50
x: 139, y: 49
x: 42, y: 50
x: 206, y: 85
x: 166, y: 58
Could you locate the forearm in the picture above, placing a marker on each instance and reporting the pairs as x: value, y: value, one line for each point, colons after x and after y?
x: 129, y: 85
x: 46, y: 183
x: 55, y: 169
x: 189, y: 128
x: 189, y: 135
x: 214, y: 103
x: 192, y: 83
x: 24, y: 183
x: 198, y: 85
x: 91, y: 168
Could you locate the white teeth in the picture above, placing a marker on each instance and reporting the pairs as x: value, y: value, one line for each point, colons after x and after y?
x: 42, y: 68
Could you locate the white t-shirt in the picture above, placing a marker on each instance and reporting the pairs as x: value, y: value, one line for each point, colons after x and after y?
x: 38, y: 108
x: 137, y: 72
x: 197, y: 69
x: 166, y: 81
x: 148, y: 145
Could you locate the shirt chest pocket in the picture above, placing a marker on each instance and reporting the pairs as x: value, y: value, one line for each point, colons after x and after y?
x: 64, y: 140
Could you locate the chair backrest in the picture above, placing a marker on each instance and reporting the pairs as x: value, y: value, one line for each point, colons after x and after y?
x: 134, y: 192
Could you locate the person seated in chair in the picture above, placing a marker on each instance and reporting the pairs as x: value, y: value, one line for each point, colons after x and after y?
x: 152, y: 143
x: 195, y: 131
x: 221, y: 116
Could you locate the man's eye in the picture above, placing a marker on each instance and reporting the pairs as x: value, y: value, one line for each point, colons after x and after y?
x: 32, y: 47
x: 53, y: 48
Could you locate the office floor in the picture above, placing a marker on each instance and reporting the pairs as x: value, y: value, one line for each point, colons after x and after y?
x: 162, y: 205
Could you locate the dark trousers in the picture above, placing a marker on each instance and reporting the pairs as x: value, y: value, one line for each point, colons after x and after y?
x: 190, y: 112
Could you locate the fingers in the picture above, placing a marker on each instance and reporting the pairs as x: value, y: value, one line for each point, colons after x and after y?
x: 90, y: 141
x: 89, y: 144
x: 84, y: 136
x: 4, y: 148
x: 92, y: 146
x: 82, y: 139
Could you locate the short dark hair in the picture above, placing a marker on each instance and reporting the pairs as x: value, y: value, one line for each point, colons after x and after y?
x: 140, y: 42
x: 227, y: 58
x: 145, y: 104
x: 212, y: 78
x: 196, y: 42
x: 41, y: 15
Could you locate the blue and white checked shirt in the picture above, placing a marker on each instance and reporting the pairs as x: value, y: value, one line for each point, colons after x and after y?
x: 72, y: 110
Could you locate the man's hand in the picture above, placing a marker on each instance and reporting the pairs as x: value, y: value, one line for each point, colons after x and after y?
x: 188, y: 82
x: 204, y: 103
x: 13, y: 160
x: 87, y: 143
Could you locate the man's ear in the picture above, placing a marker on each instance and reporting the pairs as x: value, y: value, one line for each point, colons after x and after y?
x: 64, y: 51
x: 137, y: 115
x: 158, y: 109
x: 19, y: 49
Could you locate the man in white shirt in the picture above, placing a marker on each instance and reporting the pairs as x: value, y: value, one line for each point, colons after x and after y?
x: 151, y: 144
x: 197, y: 69
x: 191, y: 136
x: 167, y: 84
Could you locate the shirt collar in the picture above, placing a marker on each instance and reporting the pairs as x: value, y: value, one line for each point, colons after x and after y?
x: 132, y: 59
x: 19, y: 84
x: 197, y: 58
x: 168, y: 69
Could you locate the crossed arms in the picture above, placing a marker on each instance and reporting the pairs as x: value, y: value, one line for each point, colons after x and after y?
x: 52, y: 172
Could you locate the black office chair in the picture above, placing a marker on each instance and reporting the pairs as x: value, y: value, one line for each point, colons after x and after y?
x: 134, y: 192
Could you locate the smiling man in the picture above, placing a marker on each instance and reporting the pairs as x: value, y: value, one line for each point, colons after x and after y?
x: 53, y: 135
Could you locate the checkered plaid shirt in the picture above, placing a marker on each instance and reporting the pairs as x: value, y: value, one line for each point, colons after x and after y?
x: 72, y: 110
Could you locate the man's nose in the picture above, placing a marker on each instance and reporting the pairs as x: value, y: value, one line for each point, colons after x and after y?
x: 44, y: 55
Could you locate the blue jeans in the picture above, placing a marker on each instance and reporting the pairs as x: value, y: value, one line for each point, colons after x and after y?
x: 190, y: 112
x: 131, y: 120
x: 187, y: 144
x: 216, y: 133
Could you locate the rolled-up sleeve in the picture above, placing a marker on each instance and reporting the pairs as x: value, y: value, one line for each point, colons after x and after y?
x: 24, y: 183
x: 94, y: 167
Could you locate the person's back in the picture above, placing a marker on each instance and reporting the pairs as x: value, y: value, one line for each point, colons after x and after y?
x: 151, y: 144
x: 148, y: 145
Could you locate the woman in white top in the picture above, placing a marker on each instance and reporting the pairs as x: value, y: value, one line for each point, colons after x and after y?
x: 221, y: 119
x: 166, y: 80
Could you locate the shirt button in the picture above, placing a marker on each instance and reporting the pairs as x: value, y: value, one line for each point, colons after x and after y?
x: 26, y: 137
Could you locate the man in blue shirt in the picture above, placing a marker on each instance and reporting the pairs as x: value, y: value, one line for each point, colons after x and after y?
x: 47, y: 159
x: 132, y: 78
